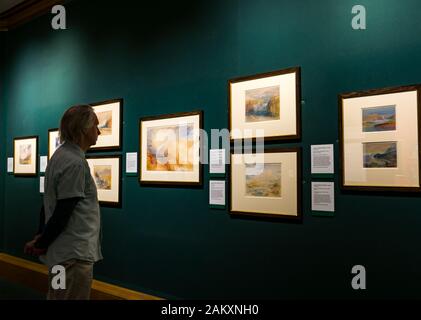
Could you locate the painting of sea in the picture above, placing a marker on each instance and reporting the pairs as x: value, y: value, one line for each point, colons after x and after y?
x: 380, y: 154
x: 379, y: 119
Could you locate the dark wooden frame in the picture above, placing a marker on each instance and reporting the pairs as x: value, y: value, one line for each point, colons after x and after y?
x: 50, y: 130
x: 120, y: 141
x: 297, y: 71
x: 111, y: 156
x: 171, y: 183
x: 36, y: 157
x: 299, y: 215
x: 26, y: 11
x: 374, y: 92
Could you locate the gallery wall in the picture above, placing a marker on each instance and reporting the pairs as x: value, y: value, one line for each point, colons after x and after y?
x: 3, y: 39
x: 177, y: 56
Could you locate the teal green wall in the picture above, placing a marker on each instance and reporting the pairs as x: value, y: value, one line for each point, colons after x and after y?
x: 177, y: 56
x: 3, y: 40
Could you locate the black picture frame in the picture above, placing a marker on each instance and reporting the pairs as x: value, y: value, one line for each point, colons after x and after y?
x: 35, y: 172
x: 369, y: 93
x: 111, y: 204
x: 143, y: 182
x: 278, y: 217
x: 297, y: 70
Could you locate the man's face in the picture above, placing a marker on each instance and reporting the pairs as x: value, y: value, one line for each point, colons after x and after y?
x: 93, y: 133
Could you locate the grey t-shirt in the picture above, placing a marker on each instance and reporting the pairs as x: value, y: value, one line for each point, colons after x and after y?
x: 68, y: 176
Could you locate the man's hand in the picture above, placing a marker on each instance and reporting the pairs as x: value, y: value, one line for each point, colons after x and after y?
x: 30, y: 248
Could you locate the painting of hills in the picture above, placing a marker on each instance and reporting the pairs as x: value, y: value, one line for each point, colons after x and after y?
x: 379, y: 119
x: 380, y: 155
x: 262, y: 104
x: 267, y: 183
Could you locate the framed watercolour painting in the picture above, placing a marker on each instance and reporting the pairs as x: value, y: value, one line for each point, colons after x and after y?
x: 109, y: 115
x: 106, y: 172
x: 53, y: 141
x: 266, y: 183
x: 380, y: 142
x: 266, y: 105
x: 25, y: 156
x: 169, y: 149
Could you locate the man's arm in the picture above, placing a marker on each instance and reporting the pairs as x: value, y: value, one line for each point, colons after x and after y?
x: 57, y: 223
x: 41, y: 223
x: 29, y: 246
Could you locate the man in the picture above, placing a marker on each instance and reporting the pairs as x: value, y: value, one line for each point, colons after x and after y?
x: 71, y: 235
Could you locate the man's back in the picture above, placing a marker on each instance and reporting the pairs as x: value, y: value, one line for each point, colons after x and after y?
x: 68, y: 176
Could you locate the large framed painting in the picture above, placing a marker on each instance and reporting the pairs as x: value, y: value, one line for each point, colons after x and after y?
x: 25, y: 156
x: 106, y: 172
x: 110, y: 118
x: 53, y: 141
x: 266, y: 105
x: 169, y: 149
x: 266, y: 184
x: 379, y: 137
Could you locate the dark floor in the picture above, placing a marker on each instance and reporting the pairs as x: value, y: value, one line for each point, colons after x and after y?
x: 12, y: 291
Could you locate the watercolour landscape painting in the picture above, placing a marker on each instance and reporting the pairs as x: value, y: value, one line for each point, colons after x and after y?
x: 102, y: 175
x: 262, y: 104
x: 263, y: 181
x: 25, y: 154
x: 380, y: 154
x: 105, y: 122
x: 57, y: 142
x: 379, y: 119
x: 170, y: 148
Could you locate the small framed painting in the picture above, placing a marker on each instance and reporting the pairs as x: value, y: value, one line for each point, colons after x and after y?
x: 266, y: 183
x: 110, y: 117
x: 25, y: 156
x: 266, y: 105
x: 169, y: 149
x: 53, y: 141
x: 106, y: 172
x: 379, y: 137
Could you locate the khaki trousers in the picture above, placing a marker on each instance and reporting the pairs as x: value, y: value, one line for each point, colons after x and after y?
x: 78, y: 281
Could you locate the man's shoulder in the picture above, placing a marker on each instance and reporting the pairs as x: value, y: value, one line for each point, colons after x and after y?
x: 65, y: 158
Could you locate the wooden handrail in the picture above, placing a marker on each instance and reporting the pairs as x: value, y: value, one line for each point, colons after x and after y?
x: 35, y: 275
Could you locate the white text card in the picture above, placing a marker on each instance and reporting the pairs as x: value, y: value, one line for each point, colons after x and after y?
x: 10, y: 165
x: 217, y: 192
x: 41, y: 184
x: 43, y: 163
x: 322, y: 158
x: 323, y: 196
x: 131, y: 162
x: 217, y: 161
